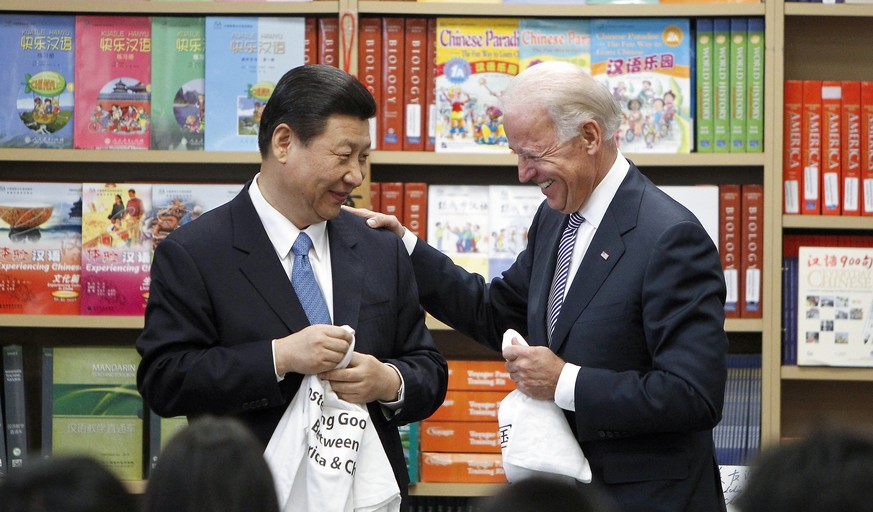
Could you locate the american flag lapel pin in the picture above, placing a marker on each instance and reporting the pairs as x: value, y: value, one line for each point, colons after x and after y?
x: 604, y: 255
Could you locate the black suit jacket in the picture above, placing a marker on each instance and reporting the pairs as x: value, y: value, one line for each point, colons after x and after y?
x: 219, y: 295
x: 644, y: 318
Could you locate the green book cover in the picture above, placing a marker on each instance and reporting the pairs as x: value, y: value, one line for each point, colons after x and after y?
x: 411, y: 440
x: 14, y: 406
x: 721, y: 85
x: 755, y: 80
x: 703, y: 55
x: 178, y: 92
x: 738, y: 81
x: 91, y: 406
x: 161, y: 430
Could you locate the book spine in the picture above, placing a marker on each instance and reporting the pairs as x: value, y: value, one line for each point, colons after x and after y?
x: 47, y: 400
x: 16, y: 414
x: 811, y: 147
x: 755, y: 80
x: 415, y: 83
x: 415, y: 208
x: 737, y: 82
x: 375, y: 196
x: 752, y: 249
x: 154, y: 441
x: 867, y: 148
x: 721, y: 85
x: 729, y: 246
x: 391, y: 117
x: 392, y: 199
x: 328, y: 40
x: 792, y: 141
x: 430, y: 91
x: 831, y: 94
x: 851, y: 146
x: 704, y: 61
x: 370, y: 66
x: 310, y: 40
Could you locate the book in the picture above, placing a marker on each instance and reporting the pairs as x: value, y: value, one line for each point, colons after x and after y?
x: 116, y: 248
x: 310, y: 40
x: 511, y: 211
x: 179, y: 89
x: 176, y: 204
x: 835, y: 299
x: 40, y: 248
x: 4, y: 466
x: 14, y: 407
x: 651, y: 59
x: 370, y: 66
x: 831, y: 165
x: 430, y: 122
x: 245, y: 58
x: 113, y: 82
x: 703, y: 54
x: 410, y: 438
x: 866, y: 147
x: 755, y: 81
x: 36, y: 83
x: 702, y: 201
x: 376, y: 196
x: 850, y: 152
x: 792, y: 132
x: 458, y: 221
x: 415, y: 208
x: 752, y: 250
x: 414, y: 81
x: 543, y: 39
x: 476, y: 58
x: 730, y: 233
x: 328, y: 41
x: 91, y: 406
x: 811, y: 147
x: 161, y: 430
x: 738, y: 84
x: 391, y: 104
x: 721, y: 85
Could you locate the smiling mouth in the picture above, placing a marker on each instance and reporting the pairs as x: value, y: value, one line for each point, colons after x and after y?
x: 546, y: 184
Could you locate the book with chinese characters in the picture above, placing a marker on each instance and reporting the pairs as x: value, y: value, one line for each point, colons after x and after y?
x: 116, y: 248
x: 245, y: 58
x: 176, y: 204
x: 178, y: 90
x: 511, y: 211
x: 14, y: 407
x: 113, y: 82
x: 458, y: 224
x: 90, y: 406
x: 542, y: 39
x: 161, y: 430
x: 476, y: 58
x: 40, y: 248
x: 649, y: 59
x: 36, y: 82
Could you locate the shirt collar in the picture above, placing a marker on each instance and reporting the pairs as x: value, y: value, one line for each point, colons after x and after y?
x: 281, y: 231
x: 596, y: 205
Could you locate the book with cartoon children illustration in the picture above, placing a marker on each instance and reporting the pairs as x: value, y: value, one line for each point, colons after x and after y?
x: 512, y: 208
x: 458, y: 224
x: 245, y: 58
x: 177, y: 204
x: 542, y: 39
x: 36, y: 81
x: 113, y: 82
x: 646, y: 63
x: 476, y: 57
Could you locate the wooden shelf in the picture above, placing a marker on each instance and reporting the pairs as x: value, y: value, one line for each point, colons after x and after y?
x: 827, y: 222
x: 169, y: 8
x: 544, y: 10
x: 463, y: 490
x: 730, y: 325
x: 821, y: 9
x: 74, y: 321
x: 827, y: 373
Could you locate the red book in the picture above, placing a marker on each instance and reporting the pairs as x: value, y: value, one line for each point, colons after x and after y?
x: 415, y: 208
x: 811, y: 147
x: 391, y: 111
x: 430, y: 120
x: 370, y: 66
x: 752, y: 250
x: 793, y: 136
x: 415, y: 83
x: 391, y: 199
x: 831, y: 102
x: 310, y: 40
x: 375, y: 196
x: 328, y: 41
x: 851, y: 146
x: 729, y: 204
x: 866, y: 148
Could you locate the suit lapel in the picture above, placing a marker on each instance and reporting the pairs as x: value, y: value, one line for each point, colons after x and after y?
x: 348, y: 271
x: 548, y: 235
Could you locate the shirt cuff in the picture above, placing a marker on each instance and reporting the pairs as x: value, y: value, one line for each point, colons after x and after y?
x: 279, y: 378
x: 565, y: 392
x: 409, y: 240
x: 391, y: 408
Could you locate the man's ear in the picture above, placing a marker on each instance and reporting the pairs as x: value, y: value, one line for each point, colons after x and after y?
x: 591, y: 134
x: 280, y: 143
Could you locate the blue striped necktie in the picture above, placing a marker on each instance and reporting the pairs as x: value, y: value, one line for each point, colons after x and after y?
x: 304, y: 283
x: 562, y: 269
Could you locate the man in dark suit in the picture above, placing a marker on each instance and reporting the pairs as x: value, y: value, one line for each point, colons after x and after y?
x: 225, y: 333
x: 636, y: 354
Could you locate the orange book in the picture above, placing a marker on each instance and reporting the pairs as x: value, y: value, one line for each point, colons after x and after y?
x: 831, y: 100
x: 479, y: 376
x: 811, y: 148
x: 866, y: 148
x: 729, y: 234
x: 310, y: 40
x: 460, y: 436
x: 469, y: 406
x: 430, y: 120
x: 391, y: 107
x: 467, y: 468
x: 370, y: 66
x: 752, y: 250
x: 415, y: 84
x: 375, y: 196
x: 391, y: 198
x: 792, y: 141
x: 415, y: 208
x: 328, y: 40
x: 851, y: 146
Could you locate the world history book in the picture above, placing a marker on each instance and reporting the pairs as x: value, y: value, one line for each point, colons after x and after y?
x: 36, y: 80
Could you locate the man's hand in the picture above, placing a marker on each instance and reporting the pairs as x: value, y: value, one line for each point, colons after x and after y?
x: 315, y: 349
x: 364, y: 380
x: 379, y: 220
x: 535, y: 370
